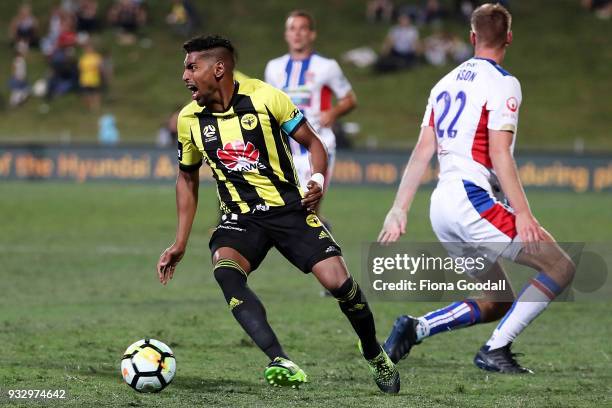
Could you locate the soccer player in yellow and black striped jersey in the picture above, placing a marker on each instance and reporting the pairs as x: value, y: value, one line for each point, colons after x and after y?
x: 244, y: 146
x: 240, y: 130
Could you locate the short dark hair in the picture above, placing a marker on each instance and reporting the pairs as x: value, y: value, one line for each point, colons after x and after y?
x: 204, y: 43
x: 303, y: 13
x: 491, y: 23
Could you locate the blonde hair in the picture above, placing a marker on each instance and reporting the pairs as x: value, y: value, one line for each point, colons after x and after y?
x: 491, y: 23
x: 303, y: 13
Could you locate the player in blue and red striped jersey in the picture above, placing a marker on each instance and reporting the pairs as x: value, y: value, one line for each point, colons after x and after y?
x: 471, y: 121
x: 311, y: 81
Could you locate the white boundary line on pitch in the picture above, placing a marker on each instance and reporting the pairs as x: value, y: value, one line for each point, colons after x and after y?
x: 98, y: 249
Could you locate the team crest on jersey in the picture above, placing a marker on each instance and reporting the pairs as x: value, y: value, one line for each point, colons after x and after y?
x: 313, y: 221
x: 248, y: 121
x: 512, y: 104
x: 236, y: 156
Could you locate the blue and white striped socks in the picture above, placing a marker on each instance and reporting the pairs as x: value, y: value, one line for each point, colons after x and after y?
x: 453, y: 316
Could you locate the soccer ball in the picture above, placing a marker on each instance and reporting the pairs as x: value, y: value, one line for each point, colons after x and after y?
x: 148, y: 365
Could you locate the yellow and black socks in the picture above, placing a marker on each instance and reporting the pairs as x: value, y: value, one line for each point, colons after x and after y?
x: 246, y: 307
x: 355, y: 306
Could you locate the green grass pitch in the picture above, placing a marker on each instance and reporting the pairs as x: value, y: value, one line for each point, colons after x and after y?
x: 78, y: 286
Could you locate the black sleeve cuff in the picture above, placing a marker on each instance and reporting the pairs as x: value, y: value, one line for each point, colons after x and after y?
x: 190, y: 168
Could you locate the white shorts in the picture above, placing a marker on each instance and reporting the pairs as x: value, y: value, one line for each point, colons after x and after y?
x: 301, y: 158
x: 471, y: 217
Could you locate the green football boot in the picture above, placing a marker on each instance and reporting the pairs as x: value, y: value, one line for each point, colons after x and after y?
x: 282, y: 372
x: 384, y: 372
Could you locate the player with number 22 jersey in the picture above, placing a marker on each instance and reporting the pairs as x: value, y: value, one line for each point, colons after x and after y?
x: 477, y: 96
x: 471, y: 121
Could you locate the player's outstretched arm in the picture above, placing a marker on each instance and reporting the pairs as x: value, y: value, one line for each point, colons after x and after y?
x: 527, y: 226
x: 395, y: 221
x: 187, y: 184
x: 307, y: 137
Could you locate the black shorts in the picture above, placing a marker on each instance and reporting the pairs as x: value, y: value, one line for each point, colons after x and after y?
x: 297, y: 234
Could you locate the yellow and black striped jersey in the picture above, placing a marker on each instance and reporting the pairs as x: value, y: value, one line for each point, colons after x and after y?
x: 246, y: 147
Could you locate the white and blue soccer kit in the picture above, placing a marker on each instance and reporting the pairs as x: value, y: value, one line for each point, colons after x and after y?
x: 467, y: 205
x: 310, y: 83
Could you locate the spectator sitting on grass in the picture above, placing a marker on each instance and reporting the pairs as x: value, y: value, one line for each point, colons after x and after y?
x: 18, y: 84
x: 87, y: 16
x: 49, y: 42
x: 183, y: 17
x: 67, y: 36
x: 128, y: 16
x: 442, y: 46
x: 401, y: 47
x: 64, y: 72
x: 24, y: 27
x: 433, y: 12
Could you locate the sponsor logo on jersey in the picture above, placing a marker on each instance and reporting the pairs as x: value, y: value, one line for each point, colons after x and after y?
x: 248, y: 121
x: 236, y: 156
x: 230, y: 227
x: 302, y: 100
x: 323, y: 235
x: 512, y: 104
x: 180, y: 151
x: 313, y: 221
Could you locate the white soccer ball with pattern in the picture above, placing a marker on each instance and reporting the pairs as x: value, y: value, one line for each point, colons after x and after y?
x: 148, y: 365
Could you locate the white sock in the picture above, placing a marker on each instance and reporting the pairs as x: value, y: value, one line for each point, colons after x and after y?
x: 451, y: 317
x: 532, y: 301
x: 422, y: 329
